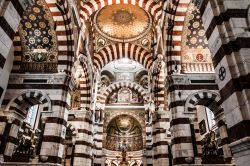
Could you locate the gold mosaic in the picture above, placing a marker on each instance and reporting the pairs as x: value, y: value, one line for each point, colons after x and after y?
x: 122, y: 23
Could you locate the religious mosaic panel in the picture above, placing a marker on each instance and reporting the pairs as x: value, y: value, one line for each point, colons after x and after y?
x: 38, y: 39
x: 122, y: 23
x: 124, y: 132
x: 194, y: 44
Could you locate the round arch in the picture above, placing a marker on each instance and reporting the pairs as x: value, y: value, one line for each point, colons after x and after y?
x: 113, y: 87
x: 62, y: 19
x: 21, y: 103
x: 84, y: 82
x: 177, y: 13
x: 209, y: 99
x: 137, y: 120
x: 122, y: 50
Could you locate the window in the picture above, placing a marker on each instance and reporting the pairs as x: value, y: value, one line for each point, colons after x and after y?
x: 210, y: 118
x: 31, y: 116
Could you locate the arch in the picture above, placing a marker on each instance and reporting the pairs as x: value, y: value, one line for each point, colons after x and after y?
x: 209, y: 99
x: 134, y: 133
x: 118, y: 85
x: 21, y: 103
x: 175, y: 24
x: 108, y: 74
x: 115, y: 114
x: 60, y: 11
x: 122, y: 50
x: 154, y: 8
x: 84, y: 83
x: 62, y: 18
x: 141, y: 74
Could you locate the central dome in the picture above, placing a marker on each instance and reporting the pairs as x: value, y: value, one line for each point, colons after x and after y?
x: 123, y: 22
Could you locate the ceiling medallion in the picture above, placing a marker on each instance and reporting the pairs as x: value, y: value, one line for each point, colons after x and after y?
x: 123, y: 17
x: 101, y: 42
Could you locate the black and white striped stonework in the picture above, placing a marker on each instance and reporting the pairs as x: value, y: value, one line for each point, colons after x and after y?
x: 57, y: 91
x: 9, y: 20
x: 122, y: 50
x: 118, y: 85
x: 179, y: 95
x: 161, y: 141
x: 208, y: 99
x: 88, y: 8
x: 84, y: 140
x: 85, y: 86
x: 226, y: 30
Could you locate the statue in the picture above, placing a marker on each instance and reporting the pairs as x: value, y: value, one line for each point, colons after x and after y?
x: 209, y: 145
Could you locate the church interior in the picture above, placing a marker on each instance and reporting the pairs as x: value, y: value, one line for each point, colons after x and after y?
x: 124, y: 82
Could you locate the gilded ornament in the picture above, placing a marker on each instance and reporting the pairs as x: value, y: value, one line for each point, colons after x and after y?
x: 32, y: 17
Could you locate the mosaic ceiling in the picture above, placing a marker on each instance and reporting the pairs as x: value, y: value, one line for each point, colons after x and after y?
x: 38, y: 37
x: 123, y: 22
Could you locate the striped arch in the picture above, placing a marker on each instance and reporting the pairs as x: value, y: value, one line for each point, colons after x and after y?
x: 64, y: 33
x: 122, y: 50
x: 177, y: 13
x: 113, y: 87
x: 206, y: 98
x: 159, y: 85
x: 87, y: 9
x: 85, y: 86
x: 24, y: 101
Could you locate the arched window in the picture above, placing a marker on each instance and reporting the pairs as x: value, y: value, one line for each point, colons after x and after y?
x: 32, y: 116
x: 210, y: 118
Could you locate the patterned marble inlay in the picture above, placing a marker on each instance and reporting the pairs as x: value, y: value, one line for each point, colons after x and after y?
x: 122, y: 23
x: 196, y: 56
x: 38, y: 39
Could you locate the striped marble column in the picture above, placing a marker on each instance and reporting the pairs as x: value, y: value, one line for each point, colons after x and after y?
x: 227, y: 30
x: 149, y: 141
x: 225, y: 141
x: 83, y: 143
x: 160, y: 138
x: 182, y: 148
x: 98, y: 144
x: 12, y: 138
x: 55, y: 131
x: 4, y: 131
x: 10, y: 12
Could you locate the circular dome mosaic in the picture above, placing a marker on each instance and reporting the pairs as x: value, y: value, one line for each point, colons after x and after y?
x: 123, y: 22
